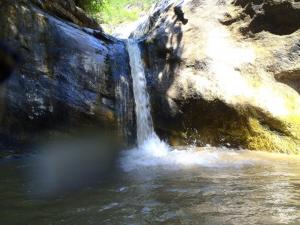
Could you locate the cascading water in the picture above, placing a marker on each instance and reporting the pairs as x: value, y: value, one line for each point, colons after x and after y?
x: 150, y: 147
x: 142, y: 107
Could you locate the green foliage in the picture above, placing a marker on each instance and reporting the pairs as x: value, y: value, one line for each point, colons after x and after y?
x: 91, y: 6
x: 114, y: 12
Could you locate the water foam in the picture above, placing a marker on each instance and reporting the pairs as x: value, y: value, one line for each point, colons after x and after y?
x: 154, y: 152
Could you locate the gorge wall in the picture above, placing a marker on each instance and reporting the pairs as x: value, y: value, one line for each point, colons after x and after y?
x: 69, y: 77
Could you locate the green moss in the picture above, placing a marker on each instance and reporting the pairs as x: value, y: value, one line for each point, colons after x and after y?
x: 250, y: 133
x: 262, y: 138
x: 246, y: 127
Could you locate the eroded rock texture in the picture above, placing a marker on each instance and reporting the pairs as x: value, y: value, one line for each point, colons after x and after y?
x: 68, y: 76
x: 225, y: 72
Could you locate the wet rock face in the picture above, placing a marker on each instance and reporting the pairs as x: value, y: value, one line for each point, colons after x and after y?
x: 229, y: 76
x: 65, y: 80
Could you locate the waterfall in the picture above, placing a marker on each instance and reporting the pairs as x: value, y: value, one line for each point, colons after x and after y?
x: 142, y: 104
x: 150, y: 148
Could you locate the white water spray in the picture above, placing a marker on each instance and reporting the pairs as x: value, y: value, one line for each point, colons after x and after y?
x: 142, y: 106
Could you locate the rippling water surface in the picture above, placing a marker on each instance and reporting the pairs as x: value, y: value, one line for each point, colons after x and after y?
x: 219, y: 186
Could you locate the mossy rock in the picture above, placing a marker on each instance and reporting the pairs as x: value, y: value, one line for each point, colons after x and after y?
x: 218, y: 124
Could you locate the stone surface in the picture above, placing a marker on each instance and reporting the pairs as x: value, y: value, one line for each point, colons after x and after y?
x: 229, y: 76
x: 67, y: 79
x: 67, y: 9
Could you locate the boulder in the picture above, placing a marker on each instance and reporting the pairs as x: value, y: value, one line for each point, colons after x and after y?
x: 225, y: 72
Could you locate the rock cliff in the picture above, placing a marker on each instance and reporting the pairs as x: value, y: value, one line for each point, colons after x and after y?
x: 69, y: 76
x: 225, y: 72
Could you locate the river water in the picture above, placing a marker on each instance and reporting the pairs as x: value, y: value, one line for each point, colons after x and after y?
x: 221, y: 186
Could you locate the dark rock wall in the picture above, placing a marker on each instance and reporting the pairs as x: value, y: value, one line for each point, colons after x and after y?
x: 65, y: 79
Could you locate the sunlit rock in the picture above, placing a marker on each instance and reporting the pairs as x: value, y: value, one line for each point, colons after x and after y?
x: 229, y: 75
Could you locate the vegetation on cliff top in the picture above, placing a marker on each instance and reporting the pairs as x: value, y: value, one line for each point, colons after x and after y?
x: 113, y: 12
